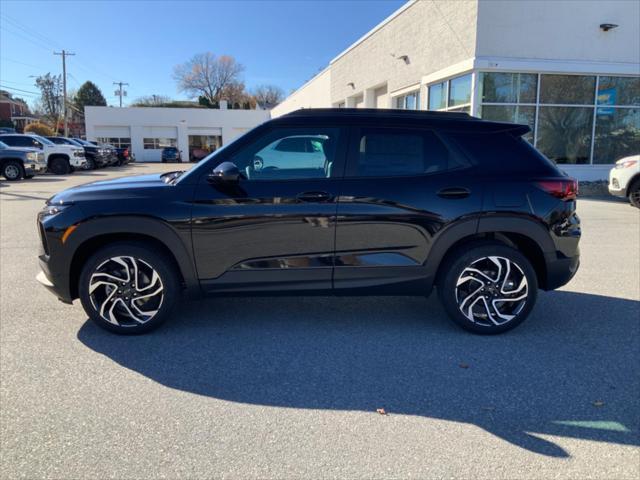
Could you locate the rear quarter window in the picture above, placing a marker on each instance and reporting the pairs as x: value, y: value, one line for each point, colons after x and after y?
x: 504, y: 152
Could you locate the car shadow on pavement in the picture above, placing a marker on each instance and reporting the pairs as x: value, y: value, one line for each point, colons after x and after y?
x: 570, y: 370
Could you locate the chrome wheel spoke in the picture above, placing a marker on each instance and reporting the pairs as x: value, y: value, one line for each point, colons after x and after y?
x: 126, y: 291
x: 491, y: 291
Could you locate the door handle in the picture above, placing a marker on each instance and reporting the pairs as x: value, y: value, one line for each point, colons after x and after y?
x: 454, y: 192
x: 313, y: 196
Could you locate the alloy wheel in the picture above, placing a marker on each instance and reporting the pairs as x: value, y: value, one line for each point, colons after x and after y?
x: 12, y: 172
x: 126, y: 291
x: 492, y: 291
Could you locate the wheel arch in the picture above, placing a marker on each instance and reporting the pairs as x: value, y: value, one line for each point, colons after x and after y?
x: 527, y: 236
x: 94, y: 234
x: 633, y: 182
x: 53, y: 156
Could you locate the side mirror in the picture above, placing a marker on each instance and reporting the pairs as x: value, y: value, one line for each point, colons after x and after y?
x: 226, y: 172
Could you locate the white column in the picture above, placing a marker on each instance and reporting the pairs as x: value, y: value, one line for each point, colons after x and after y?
x: 369, y: 98
x: 183, y: 140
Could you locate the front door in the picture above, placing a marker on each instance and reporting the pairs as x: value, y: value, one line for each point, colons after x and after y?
x: 275, y: 229
x: 401, y: 189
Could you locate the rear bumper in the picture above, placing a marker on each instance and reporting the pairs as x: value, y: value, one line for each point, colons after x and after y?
x: 560, y: 271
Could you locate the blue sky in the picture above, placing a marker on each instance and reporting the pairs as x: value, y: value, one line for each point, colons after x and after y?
x: 279, y: 42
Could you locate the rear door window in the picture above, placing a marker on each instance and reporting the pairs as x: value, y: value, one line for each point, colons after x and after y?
x: 400, y: 152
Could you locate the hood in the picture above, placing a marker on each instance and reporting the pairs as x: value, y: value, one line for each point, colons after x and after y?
x: 61, y: 148
x: 125, y: 188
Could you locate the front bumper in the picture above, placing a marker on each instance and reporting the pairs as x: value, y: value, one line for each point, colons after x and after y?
x: 34, y: 168
x: 45, y: 278
x: 617, y: 192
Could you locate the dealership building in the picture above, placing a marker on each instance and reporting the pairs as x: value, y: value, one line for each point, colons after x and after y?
x: 147, y: 130
x: 568, y: 69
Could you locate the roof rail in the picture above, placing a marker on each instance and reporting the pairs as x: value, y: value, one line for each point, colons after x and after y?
x: 382, y: 112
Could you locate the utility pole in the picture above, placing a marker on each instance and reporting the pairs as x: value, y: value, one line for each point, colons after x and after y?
x: 64, y: 55
x: 120, y: 92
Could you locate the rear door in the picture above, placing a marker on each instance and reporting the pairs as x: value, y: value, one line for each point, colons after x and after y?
x: 402, y: 188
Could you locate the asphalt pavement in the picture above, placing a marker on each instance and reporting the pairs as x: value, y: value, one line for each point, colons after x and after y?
x: 289, y: 387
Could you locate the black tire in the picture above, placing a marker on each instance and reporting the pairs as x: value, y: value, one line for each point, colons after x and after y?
x: 148, y: 259
x: 476, y: 256
x: 12, y: 170
x: 634, y: 194
x: 91, y: 164
x: 59, y: 166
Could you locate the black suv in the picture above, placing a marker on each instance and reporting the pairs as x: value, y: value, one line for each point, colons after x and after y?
x: 394, y: 203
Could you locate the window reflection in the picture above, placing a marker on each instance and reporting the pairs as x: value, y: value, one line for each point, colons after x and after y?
x: 619, y: 91
x: 617, y: 134
x: 460, y: 91
x: 500, y: 87
x: 564, y: 133
x: 567, y: 89
x: 512, y: 113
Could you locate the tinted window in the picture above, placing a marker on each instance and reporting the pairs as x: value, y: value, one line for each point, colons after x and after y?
x: 290, y: 153
x: 19, y: 141
x: 502, y: 152
x: 383, y: 153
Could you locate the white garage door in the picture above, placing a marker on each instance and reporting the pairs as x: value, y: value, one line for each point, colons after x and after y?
x: 154, y: 139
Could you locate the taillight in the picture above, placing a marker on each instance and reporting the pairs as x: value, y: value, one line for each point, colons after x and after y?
x: 566, y: 189
x: 126, y: 152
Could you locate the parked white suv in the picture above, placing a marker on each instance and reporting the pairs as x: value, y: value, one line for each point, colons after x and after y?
x: 624, y: 179
x: 60, y: 159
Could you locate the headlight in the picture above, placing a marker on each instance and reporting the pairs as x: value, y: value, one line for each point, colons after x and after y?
x: 32, y: 156
x: 78, y: 153
x: 49, y: 210
x: 626, y: 163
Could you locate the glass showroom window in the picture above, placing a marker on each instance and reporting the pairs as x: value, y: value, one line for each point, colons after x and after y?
x: 410, y: 101
x: 569, y: 122
x: 119, y: 142
x: 453, y: 95
x: 158, y: 143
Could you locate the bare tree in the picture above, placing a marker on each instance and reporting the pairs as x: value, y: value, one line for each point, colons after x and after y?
x: 207, y: 75
x: 50, y: 96
x: 268, y: 96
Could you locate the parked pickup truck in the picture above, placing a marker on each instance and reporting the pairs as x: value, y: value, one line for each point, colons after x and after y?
x: 61, y: 159
x: 17, y: 163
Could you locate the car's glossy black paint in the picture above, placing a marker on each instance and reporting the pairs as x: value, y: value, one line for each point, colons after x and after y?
x: 362, y: 235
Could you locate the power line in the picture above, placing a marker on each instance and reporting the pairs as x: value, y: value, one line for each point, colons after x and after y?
x: 24, y: 37
x: 21, y: 63
x: 29, y: 31
x: 18, y: 90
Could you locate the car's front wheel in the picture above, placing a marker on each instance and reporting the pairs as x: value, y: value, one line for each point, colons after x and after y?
x: 129, y: 288
x: 12, y: 170
x: 60, y: 166
x: 634, y: 194
x: 488, y: 287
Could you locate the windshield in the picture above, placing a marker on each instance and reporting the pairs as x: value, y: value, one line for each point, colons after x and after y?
x: 43, y: 140
x: 71, y: 141
x: 83, y: 142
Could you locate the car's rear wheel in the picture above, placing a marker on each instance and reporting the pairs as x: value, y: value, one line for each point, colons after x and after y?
x: 12, y: 170
x: 59, y: 166
x: 488, y: 287
x: 128, y: 288
x: 634, y: 194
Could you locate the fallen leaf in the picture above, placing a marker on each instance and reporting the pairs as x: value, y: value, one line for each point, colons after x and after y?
x: 381, y: 411
x: 598, y: 403
x: 463, y: 365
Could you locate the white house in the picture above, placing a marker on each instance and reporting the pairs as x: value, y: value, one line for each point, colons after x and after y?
x: 147, y: 130
x: 570, y: 69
